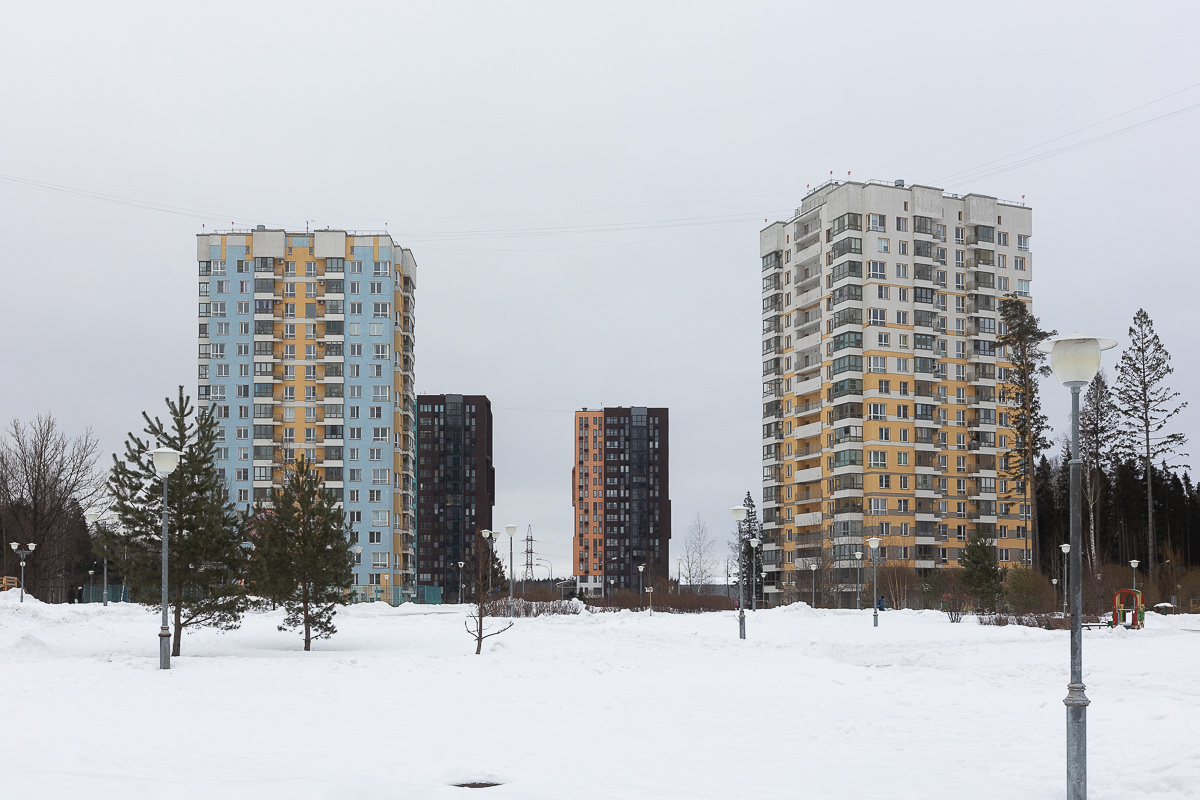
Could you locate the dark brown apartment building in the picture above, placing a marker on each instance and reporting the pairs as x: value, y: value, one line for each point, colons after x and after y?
x: 456, y: 485
x: 622, y: 500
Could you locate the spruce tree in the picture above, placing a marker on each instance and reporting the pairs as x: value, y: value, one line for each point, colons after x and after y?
x: 1147, y: 405
x: 205, y: 561
x: 1022, y: 334
x: 302, y: 556
x: 1098, y: 436
x: 982, y: 574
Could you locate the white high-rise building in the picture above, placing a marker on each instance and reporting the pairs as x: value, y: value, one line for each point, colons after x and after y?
x: 883, y: 410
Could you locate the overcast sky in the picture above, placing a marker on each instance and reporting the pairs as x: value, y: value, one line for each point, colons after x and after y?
x: 582, y: 187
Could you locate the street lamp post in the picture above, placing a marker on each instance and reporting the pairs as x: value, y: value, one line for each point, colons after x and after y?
x: 1055, y: 582
x: 490, y: 537
x: 23, y: 552
x: 1075, y: 360
x: 641, y: 586
x: 754, y: 543
x: 650, y: 591
x: 739, y: 515
x: 165, y: 462
x: 678, y: 573
x: 460, y: 566
x: 1066, y: 549
x: 612, y: 582
x: 1133, y: 563
x: 511, y: 530
x: 92, y: 519
x: 858, y: 585
x: 91, y: 582
x: 813, y: 568
x: 874, y: 544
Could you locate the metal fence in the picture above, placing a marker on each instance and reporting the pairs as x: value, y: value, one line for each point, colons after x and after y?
x: 395, y: 595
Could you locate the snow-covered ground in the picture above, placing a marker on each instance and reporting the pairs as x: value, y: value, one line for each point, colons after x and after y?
x: 814, y: 704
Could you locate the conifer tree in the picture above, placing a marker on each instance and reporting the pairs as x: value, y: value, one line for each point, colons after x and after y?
x: 1147, y: 405
x: 302, y: 556
x: 205, y: 561
x: 1098, y: 429
x: 1022, y: 334
x: 982, y: 574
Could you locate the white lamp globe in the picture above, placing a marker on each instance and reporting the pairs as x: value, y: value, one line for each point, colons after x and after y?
x: 1075, y: 358
x: 511, y: 530
x: 739, y: 513
x: 165, y: 460
x: 874, y: 542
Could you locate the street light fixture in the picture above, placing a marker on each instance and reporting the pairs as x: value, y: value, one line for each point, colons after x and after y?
x: 650, y: 591
x: 612, y: 582
x: 813, y: 568
x: 739, y: 516
x: 641, y: 568
x: 23, y: 552
x: 874, y: 543
x: 1075, y: 360
x: 1066, y: 548
x: 1133, y: 563
x: 165, y: 460
x: 460, y: 566
x: 858, y: 585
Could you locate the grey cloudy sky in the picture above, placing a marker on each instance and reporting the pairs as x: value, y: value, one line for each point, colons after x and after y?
x: 582, y: 187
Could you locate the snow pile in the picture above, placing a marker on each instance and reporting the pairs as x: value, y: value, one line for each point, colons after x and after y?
x: 814, y: 703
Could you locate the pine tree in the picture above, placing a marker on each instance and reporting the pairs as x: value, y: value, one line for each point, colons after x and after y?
x: 1147, y: 405
x: 1098, y: 426
x: 749, y: 559
x: 302, y: 556
x: 206, y: 561
x: 1022, y: 334
x: 982, y: 574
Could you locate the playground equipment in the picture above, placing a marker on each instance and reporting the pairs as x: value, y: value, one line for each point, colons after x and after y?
x: 1128, y: 609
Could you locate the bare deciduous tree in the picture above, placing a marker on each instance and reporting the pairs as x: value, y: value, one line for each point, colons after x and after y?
x: 698, y: 554
x: 47, y: 481
x: 482, y: 556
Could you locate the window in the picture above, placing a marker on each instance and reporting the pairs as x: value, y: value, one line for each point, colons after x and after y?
x: 885, y: 434
x: 877, y: 364
x: 884, y: 292
x: 380, y: 560
x: 884, y: 339
x: 375, y: 454
x: 901, y: 317
x: 1022, y: 288
x: 877, y: 459
x: 902, y: 224
x: 1002, y: 238
x: 1019, y: 263
x: 876, y: 222
x: 878, y: 505
x: 883, y: 246
x: 878, y: 316
x: 381, y: 310
x: 1023, y: 243
x: 376, y: 287
x: 379, y: 434
x: 902, y: 270
x: 382, y: 268
x: 379, y: 476
x: 876, y: 411
x: 885, y: 387
x: 381, y: 519
x: 382, y: 351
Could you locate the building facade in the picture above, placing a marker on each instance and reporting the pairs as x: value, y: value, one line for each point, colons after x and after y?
x: 306, y: 350
x: 883, y: 409
x: 621, y: 497
x: 456, y: 486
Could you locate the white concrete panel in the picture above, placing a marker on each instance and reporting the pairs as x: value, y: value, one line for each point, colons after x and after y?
x: 270, y: 244
x: 203, y: 241
x: 927, y: 202
x: 329, y: 244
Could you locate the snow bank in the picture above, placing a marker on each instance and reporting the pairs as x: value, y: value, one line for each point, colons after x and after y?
x: 815, y: 703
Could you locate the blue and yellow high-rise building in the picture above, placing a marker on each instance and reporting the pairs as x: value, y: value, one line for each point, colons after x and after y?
x: 306, y: 350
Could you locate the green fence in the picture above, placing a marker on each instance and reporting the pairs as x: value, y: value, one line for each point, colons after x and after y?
x: 395, y: 595
x: 94, y: 593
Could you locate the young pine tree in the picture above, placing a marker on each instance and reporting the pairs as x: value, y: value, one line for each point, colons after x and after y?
x: 205, y: 560
x: 983, y: 577
x: 302, y: 556
x: 1022, y: 334
x: 1146, y: 405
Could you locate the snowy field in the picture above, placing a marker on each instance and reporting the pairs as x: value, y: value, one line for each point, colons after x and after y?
x: 814, y: 704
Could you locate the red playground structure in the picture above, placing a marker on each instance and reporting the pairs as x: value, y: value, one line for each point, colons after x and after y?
x: 1128, y: 609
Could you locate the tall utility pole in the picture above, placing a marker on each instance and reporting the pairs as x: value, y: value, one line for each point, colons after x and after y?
x: 527, y: 575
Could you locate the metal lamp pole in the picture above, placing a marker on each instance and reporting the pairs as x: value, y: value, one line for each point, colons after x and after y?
x: 739, y: 515
x: 678, y: 574
x: 1066, y: 549
x: 165, y: 461
x: 874, y: 544
x: 641, y: 586
x: 511, y: 530
x: 460, y: 566
x: 1055, y: 582
x: 92, y: 519
x: 858, y: 585
x: 1075, y: 360
x: 754, y: 543
x: 23, y: 552
x: 813, y: 569
x: 1134, y: 563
